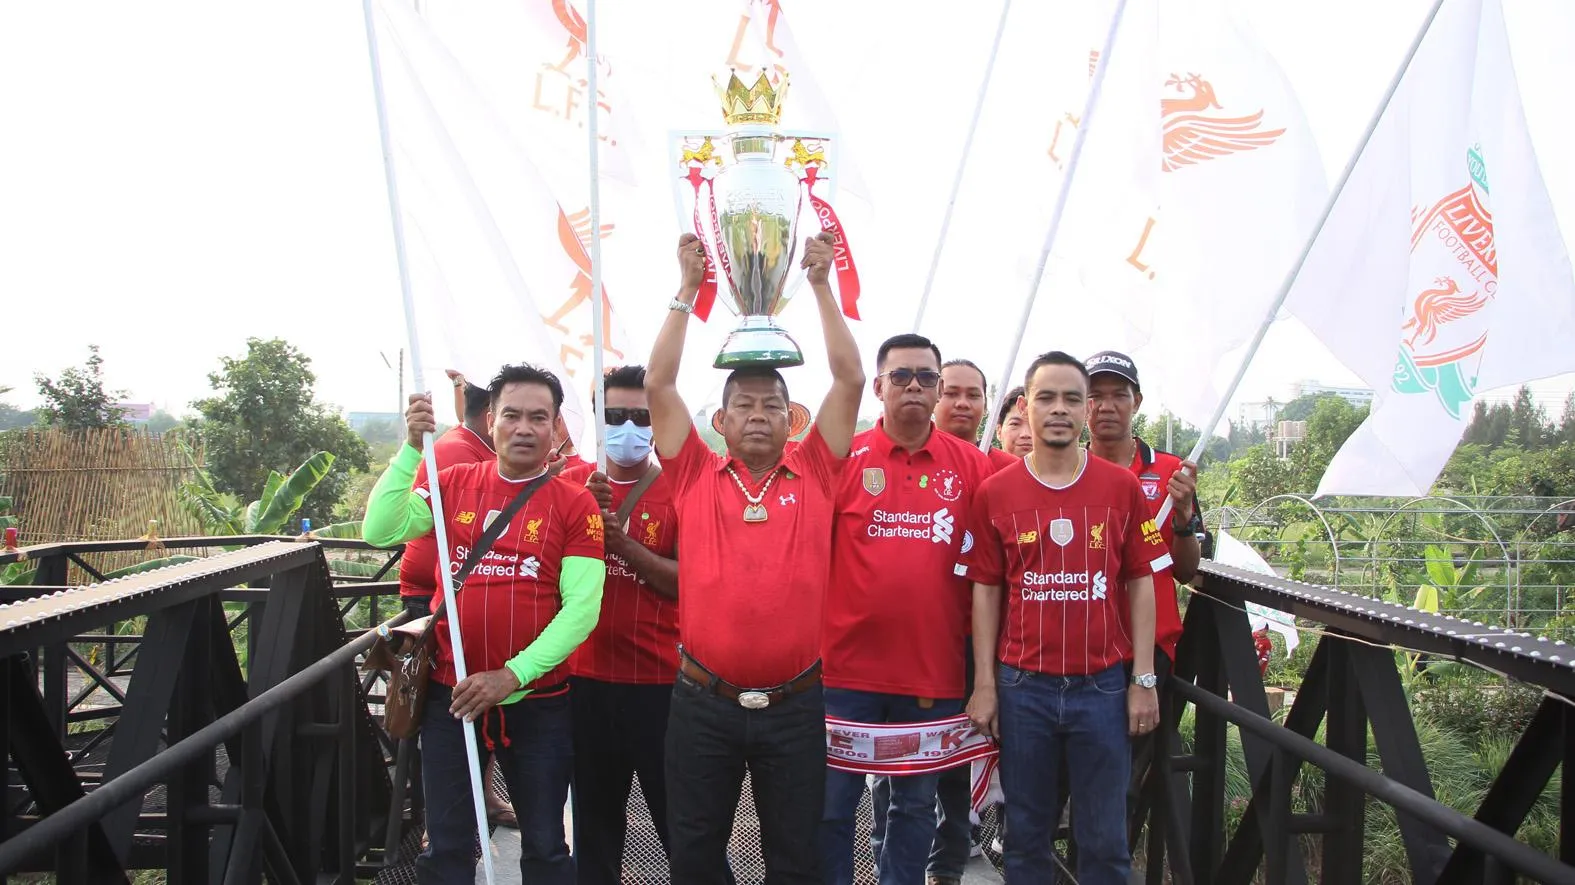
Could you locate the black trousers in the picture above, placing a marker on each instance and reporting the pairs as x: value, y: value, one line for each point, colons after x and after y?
x: 710, y: 742
x: 619, y: 732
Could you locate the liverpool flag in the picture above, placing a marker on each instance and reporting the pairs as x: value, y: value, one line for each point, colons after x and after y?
x: 1441, y: 271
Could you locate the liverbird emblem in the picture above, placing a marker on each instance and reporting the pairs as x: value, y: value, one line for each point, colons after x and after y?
x: 1192, y: 136
x: 1435, y: 307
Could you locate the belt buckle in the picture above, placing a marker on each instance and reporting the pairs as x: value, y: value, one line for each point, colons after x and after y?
x: 754, y: 700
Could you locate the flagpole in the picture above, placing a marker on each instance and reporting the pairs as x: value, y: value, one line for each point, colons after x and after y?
x: 439, y: 524
x: 1301, y: 259
x: 1055, y: 222
x: 962, y: 164
x: 598, y: 334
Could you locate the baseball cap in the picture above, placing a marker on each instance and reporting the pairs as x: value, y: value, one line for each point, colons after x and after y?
x: 1111, y: 362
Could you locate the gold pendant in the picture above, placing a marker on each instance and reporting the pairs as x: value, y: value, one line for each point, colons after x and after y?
x: 755, y: 513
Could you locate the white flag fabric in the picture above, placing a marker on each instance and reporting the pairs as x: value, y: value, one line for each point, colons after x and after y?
x: 1442, y: 270
x: 1230, y: 551
x: 477, y: 215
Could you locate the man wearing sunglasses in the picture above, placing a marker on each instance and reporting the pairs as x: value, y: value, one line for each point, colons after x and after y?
x: 755, y: 528
x: 897, y: 614
x: 623, y: 674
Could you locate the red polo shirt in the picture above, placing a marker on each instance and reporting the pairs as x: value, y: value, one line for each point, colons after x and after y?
x: 1064, y: 555
x: 636, y: 637
x: 1000, y: 459
x: 897, y: 613
x: 512, y: 595
x: 752, y: 595
x: 1153, y: 468
x: 418, y: 565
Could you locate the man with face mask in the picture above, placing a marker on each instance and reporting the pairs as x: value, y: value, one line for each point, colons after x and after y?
x: 623, y: 674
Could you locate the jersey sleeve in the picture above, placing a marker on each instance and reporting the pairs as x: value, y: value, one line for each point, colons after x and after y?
x: 395, y: 512
x: 689, y: 464
x: 813, y: 458
x: 585, y: 535
x: 1143, y: 550
x: 985, y: 561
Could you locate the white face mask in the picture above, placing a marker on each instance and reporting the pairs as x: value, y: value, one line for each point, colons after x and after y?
x: 628, y: 444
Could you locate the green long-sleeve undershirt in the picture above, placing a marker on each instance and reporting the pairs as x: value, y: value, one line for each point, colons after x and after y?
x: 396, y: 514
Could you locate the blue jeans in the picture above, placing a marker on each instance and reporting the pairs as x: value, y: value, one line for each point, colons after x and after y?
x: 710, y: 742
x: 1044, y: 718
x: 537, y: 761
x: 910, y: 815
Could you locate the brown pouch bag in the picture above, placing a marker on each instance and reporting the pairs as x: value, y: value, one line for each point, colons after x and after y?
x: 407, y: 651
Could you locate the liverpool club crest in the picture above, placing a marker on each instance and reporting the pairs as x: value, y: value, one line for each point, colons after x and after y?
x: 1446, y: 324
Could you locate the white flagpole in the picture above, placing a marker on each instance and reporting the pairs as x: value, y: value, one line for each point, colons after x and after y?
x: 1296, y: 267
x: 962, y: 164
x: 598, y: 334
x: 439, y: 524
x: 1055, y: 223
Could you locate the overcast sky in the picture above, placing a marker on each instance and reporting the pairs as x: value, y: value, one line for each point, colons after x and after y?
x: 178, y: 176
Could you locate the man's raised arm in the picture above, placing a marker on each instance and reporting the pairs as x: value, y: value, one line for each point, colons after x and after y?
x: 839, y: 412
x: 394, y: 513
x: 670, y: 422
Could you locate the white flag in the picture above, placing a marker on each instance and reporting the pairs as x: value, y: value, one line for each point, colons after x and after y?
x: 1442, y: 271
x: 1232, y: 552
x: 485, y: 241
x: 1199, y: 182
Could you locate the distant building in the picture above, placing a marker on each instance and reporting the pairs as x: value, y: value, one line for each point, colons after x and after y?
x: 136, y: 413
x: 1356, y: 396
x: 1286, y: 435
x: 359, y: 420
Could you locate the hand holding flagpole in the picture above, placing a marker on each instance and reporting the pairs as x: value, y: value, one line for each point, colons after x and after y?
x: 439, y: 524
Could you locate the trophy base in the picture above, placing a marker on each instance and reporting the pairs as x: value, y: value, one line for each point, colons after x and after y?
x: 759, y: 342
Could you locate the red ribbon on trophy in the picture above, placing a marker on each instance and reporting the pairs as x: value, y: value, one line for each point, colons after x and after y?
x: 705, y: 298
x: 847, y: 271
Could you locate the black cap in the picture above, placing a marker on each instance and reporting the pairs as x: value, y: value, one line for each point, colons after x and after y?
x: 1113, y: 363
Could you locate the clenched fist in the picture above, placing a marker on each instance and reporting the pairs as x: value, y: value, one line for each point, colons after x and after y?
x: 818, y: 256
x: 691, y: 261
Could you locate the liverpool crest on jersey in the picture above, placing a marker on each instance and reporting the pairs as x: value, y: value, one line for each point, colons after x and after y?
x: 1454, y: 271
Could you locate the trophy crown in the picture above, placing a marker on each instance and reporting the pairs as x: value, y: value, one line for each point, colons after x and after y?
x: 757, y: 104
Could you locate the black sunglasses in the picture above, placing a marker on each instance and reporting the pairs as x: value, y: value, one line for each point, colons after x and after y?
x: 616, y: 416
x: 902, y: 377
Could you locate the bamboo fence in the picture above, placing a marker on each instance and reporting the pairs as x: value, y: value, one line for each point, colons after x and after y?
x: 97, y: 485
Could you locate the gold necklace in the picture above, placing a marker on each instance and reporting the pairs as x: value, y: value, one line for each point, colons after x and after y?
x: 754, y: 510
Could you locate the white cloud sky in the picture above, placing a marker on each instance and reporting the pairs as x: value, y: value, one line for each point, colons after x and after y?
x: 178, y: 176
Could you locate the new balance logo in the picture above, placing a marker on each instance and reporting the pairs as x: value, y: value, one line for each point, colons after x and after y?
x: 941, y: 529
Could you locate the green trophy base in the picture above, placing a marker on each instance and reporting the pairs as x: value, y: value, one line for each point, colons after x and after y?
x: 759, y: 342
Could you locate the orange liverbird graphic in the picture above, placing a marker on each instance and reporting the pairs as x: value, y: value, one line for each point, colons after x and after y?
x: 574, y: 234
x: 570, y: 18
x: 1191, y: 136
x: 1435, y: 307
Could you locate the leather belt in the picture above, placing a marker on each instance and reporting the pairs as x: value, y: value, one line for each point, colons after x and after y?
x: 748, y: 698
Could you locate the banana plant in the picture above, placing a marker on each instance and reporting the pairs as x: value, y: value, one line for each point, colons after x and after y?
x: 282, y: 496
x: 1451, y: 588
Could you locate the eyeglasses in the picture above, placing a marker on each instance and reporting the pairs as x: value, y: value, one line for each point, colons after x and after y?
x: 903, y: 377
x: 616, y: 416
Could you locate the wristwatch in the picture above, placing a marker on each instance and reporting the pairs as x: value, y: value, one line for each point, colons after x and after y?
x: 1145, y: 680
x: 684, y: 306
x: 1191, y: 527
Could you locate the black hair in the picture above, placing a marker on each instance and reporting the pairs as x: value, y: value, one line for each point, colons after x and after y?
x: 984, y: 383
x: 1007, y: 403
x: 525, y: 373
x: 904, y: 341
x: 752, y: 372
x: 621, y: 378
x: 477, y: 401
x: 1054, y: 358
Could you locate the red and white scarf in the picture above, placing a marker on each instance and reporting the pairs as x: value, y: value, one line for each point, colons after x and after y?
x: 913, y: 748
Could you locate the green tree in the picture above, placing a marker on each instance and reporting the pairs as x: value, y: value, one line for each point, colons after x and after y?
x: 162, y: 422
x: 265, y: 420
x: 1301, y: 408
x: 77, y: 399
x: 1528, y: 422
x: 11, y: 417
x: 1259, y: 474
x: 1332, y: 421
x: 1566, y: 429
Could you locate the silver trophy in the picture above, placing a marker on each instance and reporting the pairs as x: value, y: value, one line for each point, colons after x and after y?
x: 745, y: 194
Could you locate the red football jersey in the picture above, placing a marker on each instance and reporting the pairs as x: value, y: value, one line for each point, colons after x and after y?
x: 512, y: 595
x: 1153, y: 468
x: 418, y: 565
x: 577, y: 470
x: 1001, y: 459
x: 636, y: 637
x: 1064, y: 555
x: 897, y: 613
x: 752, y: 593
